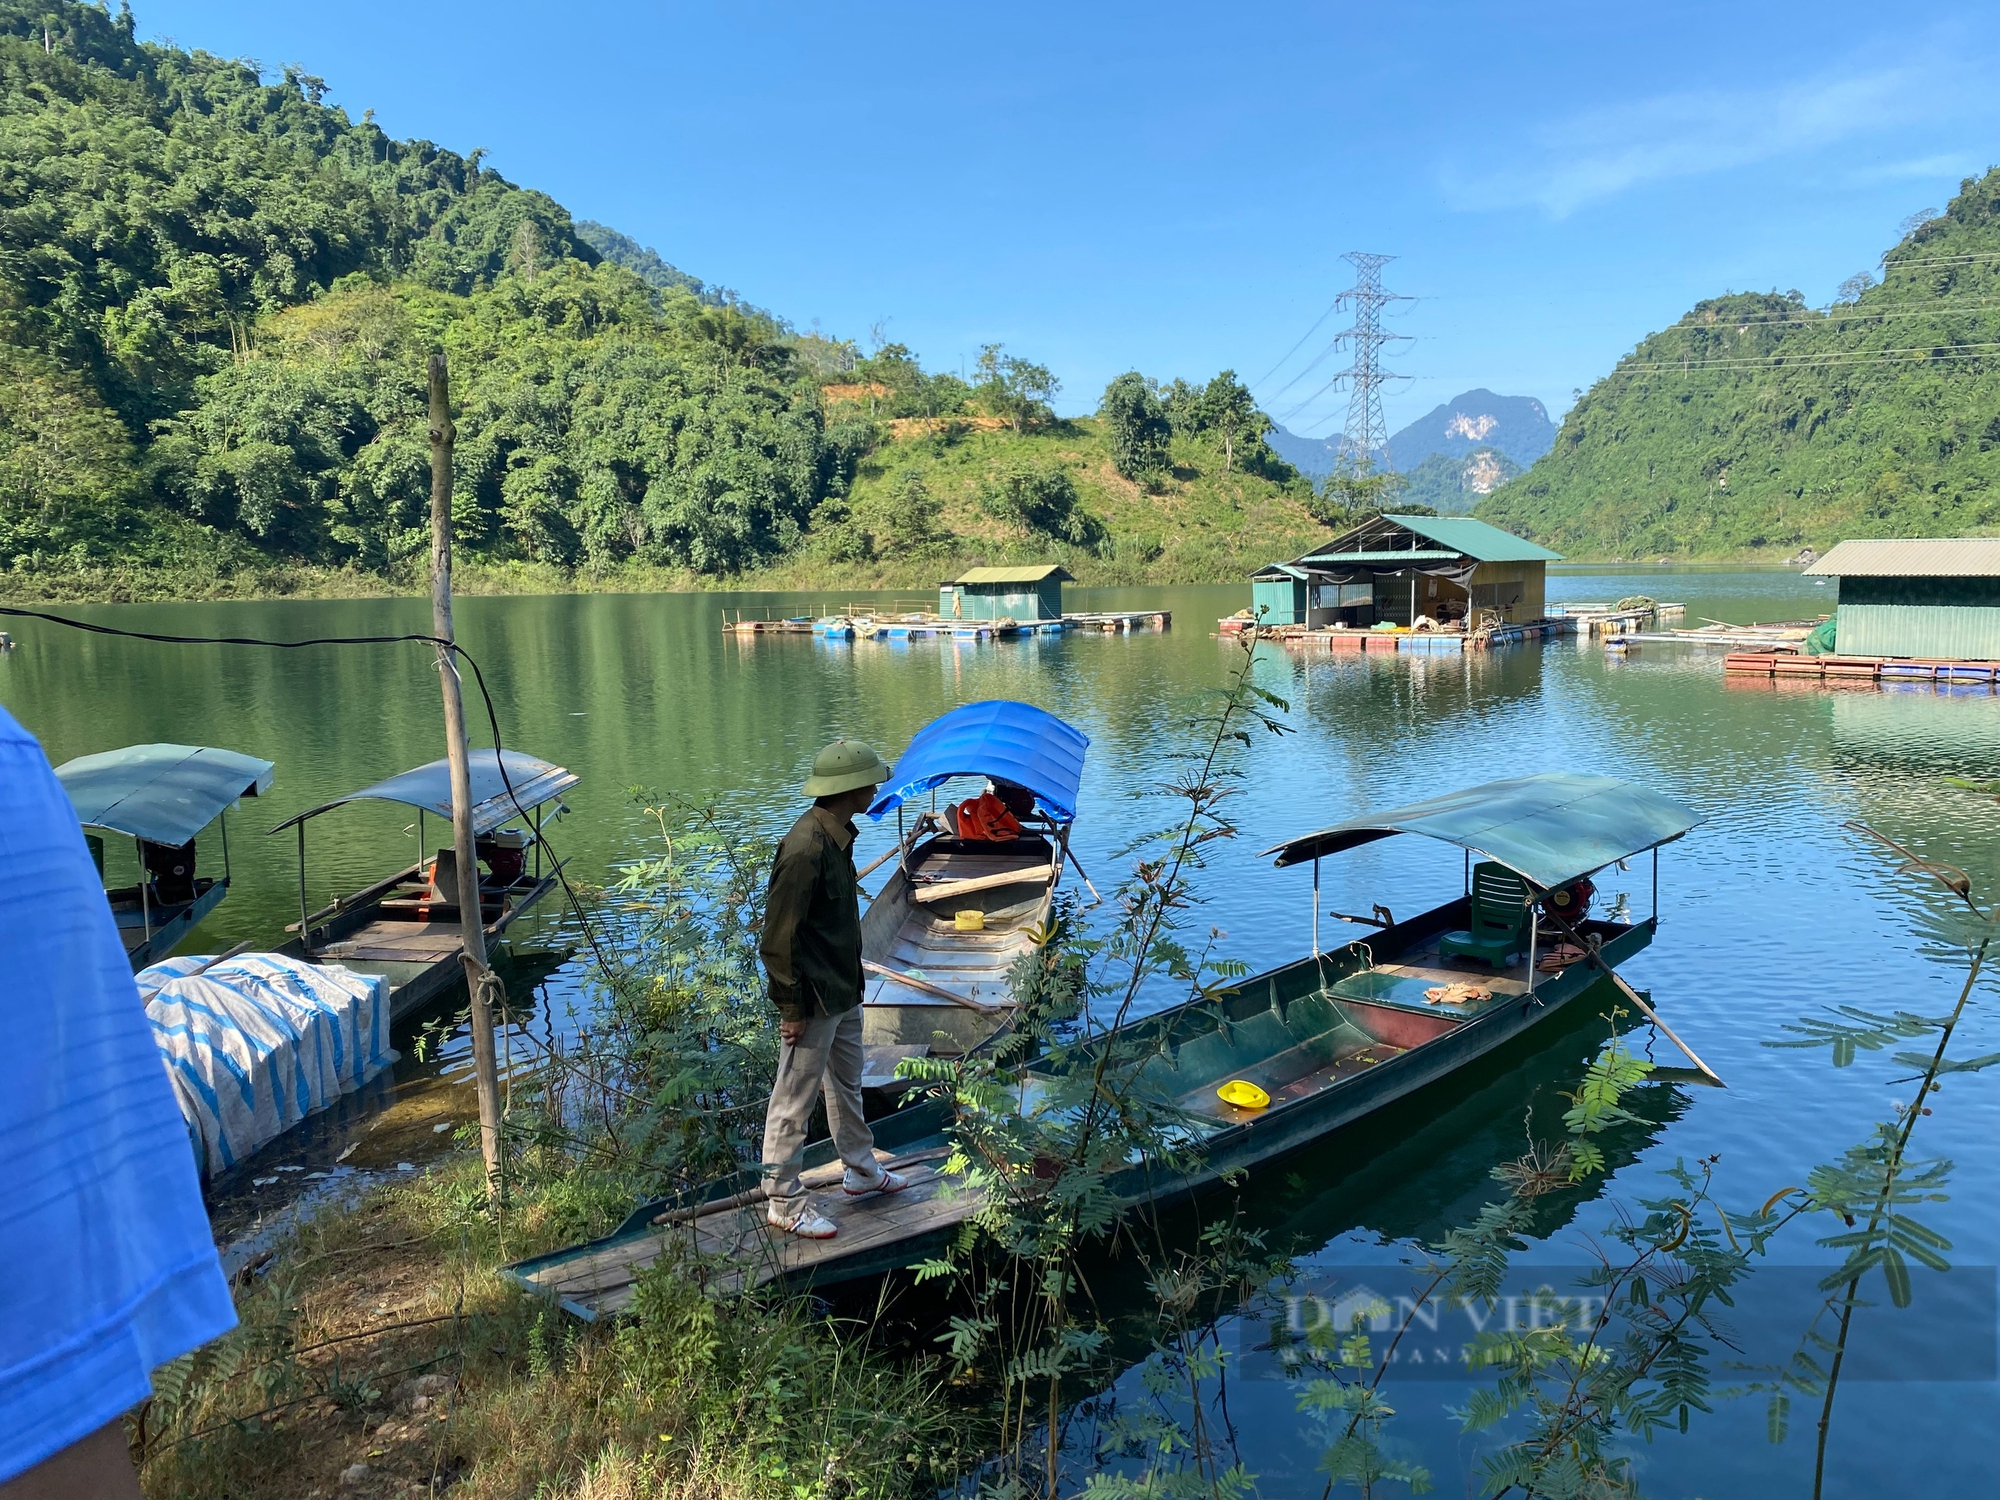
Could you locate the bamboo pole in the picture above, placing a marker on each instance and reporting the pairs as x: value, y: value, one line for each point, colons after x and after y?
x: 471, y: 918
x: 1596, y: 960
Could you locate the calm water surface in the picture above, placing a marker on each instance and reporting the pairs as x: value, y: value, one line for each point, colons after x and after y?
x: 1769, y: 911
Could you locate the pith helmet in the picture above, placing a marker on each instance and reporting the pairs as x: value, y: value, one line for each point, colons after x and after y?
x: 845, y: 766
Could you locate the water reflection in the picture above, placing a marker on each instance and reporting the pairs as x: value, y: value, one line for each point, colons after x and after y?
x: 1771, y: 910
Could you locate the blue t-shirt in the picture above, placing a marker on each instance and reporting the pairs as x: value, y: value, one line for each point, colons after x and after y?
x: 110, y: 1268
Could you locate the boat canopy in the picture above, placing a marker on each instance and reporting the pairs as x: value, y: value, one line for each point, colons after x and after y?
x: 1015, y: 742
x: 164, y: 794
x: 534, y: 781
x: 1550, y: 829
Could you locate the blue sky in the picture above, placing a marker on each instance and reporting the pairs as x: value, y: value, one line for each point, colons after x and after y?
x: 1169, y: 187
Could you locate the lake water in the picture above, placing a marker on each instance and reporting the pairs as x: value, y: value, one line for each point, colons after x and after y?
x: 1771, y: 910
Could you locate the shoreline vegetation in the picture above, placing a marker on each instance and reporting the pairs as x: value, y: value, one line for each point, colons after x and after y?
x: 474, y: 578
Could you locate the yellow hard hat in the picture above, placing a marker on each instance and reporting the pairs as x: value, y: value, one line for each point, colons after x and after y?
x: 1243, y: 1094
x: 845, y: 766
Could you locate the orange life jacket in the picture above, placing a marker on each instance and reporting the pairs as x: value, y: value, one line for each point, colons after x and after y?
x: 986, y: 817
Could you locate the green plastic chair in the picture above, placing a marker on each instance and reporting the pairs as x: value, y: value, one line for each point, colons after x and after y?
x: 1499, y: 918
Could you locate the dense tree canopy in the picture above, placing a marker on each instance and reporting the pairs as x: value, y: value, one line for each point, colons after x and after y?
x: 218, y: 292
x: 1757, y: 422
x: 1136, y: 426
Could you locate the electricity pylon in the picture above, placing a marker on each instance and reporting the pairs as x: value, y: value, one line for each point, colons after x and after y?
x: 1366, y: 433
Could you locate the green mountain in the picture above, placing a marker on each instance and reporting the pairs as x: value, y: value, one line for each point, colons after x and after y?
x: 1452, y: 484
x: 1757, y: 425
x: 217, y: 294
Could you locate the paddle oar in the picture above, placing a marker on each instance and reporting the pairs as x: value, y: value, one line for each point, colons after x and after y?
x: 1082, y: 874
x: 931, y: 989
x: 1590, y: 952
x: 877, y: 863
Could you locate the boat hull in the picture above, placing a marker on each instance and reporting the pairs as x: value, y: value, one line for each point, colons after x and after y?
x: 1429, y: 1047
x: 1269, y: 1135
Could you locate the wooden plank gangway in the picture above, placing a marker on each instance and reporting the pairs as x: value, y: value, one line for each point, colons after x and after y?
x: 731, y: 1247
x: 1772, y: 664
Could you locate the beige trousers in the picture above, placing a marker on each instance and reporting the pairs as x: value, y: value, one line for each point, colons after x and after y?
x: 826, y: 1058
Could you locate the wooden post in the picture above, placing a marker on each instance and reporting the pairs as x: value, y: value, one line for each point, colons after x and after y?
x: 478, y: 977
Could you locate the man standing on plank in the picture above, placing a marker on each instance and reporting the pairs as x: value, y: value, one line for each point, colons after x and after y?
x: 812, y: 955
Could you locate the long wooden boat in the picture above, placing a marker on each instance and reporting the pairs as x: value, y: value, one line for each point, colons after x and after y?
x: 1329, y: 1039
x: 161, y: 797
x: 405, y: 926
x: 938, y: 977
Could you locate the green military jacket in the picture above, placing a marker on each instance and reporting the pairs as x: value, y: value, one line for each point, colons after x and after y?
x: 812, y: 920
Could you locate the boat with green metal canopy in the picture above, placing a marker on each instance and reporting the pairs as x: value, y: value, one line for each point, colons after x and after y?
x: 406, y: 926
x: 161, y: 797
x: 1281, y: 1060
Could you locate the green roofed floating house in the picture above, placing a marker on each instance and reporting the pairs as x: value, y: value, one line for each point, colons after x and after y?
x: 1436, y: 576
x: 1918, y: 598
x: 1913, y: 613
x: 1023, y: 595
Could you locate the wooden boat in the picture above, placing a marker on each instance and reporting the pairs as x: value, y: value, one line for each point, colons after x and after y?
x: 1329, y: 1039
x: 161, y: 797
x: 940, y: 939
x: 406, y: 925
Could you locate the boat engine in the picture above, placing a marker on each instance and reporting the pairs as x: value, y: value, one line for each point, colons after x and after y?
x: 1570, y: 902
x: 171, y: 870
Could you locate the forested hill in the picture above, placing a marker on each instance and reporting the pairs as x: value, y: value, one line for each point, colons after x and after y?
x: 1759, y: 425
x: 217, y: 292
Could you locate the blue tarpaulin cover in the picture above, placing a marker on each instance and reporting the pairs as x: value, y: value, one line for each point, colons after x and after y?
x: 165, y: 794
x: 1016, y: 742
x: 254, y: 1044
x: 429, y: 787
x: 1549, y: 828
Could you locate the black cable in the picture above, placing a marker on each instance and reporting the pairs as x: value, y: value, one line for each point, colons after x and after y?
x: 478, y: 677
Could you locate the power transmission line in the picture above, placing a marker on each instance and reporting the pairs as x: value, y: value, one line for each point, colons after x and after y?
x: 1296, y: 347
x: 1821, y: 318
x: 1940, y: 260
x: 1316, y: 361
x: 1914, y: 354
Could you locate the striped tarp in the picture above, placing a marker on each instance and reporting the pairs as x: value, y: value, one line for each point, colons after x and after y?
x: 259, y: 1042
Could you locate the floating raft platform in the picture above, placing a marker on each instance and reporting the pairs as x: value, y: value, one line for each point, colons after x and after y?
x: 1609, y: 619
x: 1417, y: 642
x: 1117, y: 622
x: 919, y: 626
x: 1891, y: 671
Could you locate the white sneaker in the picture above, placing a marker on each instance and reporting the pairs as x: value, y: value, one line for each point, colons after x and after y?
x: 855, y: 1184
x: 800, y: 1216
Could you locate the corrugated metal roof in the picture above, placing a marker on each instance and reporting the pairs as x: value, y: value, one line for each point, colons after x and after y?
x: 1014, y: 575
x: 1914, y: 557
x: 1453, y: 536
x: 165, y: 794
x: 1476, y: 539
x: 1396, y: 557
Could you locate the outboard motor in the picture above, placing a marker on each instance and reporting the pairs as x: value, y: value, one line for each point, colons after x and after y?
x: 171, y: 869
x: 504, y: 852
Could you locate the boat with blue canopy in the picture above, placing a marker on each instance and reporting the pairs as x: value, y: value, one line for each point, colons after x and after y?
x: 973, y: 878
x: 405, y: 926
x: 161, y: 797
x: 1253, y: 1074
